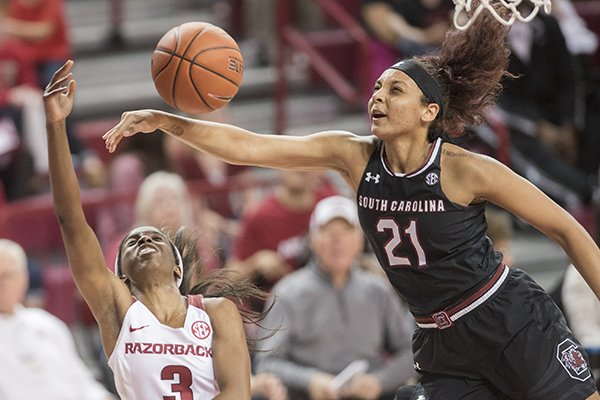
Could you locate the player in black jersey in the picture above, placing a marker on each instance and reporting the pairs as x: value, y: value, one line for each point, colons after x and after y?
x: 485, y: 332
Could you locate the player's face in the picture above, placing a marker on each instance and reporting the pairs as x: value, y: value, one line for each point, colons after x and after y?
x: 396, y: 105
x: 146, y: 252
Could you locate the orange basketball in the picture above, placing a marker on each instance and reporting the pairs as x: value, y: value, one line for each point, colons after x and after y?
x: 197, y: 67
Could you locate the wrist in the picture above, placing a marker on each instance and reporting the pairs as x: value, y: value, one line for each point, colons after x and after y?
x: 169, y: 123
x: 55, y: 124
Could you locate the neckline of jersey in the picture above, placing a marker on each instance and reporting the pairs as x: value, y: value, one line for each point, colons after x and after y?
x: 428, y: 161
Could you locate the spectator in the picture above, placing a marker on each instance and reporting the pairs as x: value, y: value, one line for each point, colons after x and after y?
x: 403, y: 28
x: 271, y: 242
x: 259, y: 27
x: 41, y: 28
x: 538, y: 108
x: 39, y: 358
x: 331, y: 313
x: 412, y: 27
x: 21, y: 113
x: 583, y: 44
x: 500, y: 231
x: 581, y: 308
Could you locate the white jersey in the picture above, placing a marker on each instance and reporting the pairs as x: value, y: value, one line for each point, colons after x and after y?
x: 155, y: 361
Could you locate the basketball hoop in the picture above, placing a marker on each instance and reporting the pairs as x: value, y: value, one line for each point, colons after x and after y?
x: 465, y: 11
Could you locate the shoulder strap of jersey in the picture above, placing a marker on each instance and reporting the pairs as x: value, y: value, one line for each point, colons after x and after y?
x: 196, y: 300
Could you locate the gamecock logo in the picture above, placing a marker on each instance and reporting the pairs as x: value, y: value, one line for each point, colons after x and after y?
x: 572, y: 360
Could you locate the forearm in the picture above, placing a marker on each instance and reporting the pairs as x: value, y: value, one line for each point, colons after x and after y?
x: 63, y: 181
x: 229, y: 143
x: 239, y: 146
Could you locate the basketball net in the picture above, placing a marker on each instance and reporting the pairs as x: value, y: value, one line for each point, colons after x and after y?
x: 465, y: 13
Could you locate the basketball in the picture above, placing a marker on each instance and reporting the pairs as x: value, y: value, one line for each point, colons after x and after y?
x: 197, y: 67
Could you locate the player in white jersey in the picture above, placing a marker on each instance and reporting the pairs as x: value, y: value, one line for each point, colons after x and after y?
x: 161, y: 345
x: 169, y: 357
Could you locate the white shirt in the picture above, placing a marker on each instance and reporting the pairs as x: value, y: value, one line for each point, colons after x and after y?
x: 155, y: 361
x: 38, y: 360
x: 580, y: 40
x: 582, y: 308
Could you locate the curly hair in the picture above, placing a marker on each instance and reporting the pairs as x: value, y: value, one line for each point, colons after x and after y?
x: 468, y: 70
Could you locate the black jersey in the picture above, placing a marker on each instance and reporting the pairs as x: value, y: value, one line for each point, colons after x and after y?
x: 434, y: 252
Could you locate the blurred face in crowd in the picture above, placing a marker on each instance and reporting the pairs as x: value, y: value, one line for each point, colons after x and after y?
x: 300, y: 181
x: 167, y: 211
x: 336, y: 245
x: 13, y: 281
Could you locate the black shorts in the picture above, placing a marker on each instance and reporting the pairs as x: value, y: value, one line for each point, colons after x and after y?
x: 516, y: 345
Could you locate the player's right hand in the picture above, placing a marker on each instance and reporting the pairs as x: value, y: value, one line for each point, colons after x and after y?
x: 132, y: 122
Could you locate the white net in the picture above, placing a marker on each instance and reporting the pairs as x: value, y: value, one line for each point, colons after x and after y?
x: 466, y: 12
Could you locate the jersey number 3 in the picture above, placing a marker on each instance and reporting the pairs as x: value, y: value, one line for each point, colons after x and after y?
x: 183, y: 386
x: 389, y: 224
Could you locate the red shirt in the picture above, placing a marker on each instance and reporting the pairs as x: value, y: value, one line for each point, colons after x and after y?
x: 55, y: 47
x: 16, y: 69
x: 272, y: 226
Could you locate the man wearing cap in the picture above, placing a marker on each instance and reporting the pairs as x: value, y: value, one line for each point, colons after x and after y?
x: 331, y: 313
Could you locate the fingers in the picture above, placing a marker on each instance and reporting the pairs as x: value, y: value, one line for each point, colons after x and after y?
x: 118, y: 132
x: 112, y: 138
x: 61, y: 73
x: 72, y: 88
x: 63, y: 85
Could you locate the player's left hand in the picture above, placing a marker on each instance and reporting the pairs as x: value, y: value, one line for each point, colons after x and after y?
x: 59, y: 94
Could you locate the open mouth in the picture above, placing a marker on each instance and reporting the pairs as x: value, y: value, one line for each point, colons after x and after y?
x: 147, y: 249
x: 376, y: 114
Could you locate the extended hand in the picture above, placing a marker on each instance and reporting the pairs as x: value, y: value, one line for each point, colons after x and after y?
x: 132, y: 122
x: 59, y: 94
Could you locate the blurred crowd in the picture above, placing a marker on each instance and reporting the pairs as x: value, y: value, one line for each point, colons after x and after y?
x: 294, y: 234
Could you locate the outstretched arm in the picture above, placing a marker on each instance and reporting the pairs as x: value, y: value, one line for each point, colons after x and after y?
x: 107, y: 297
x: 498, y: 184
x: 335, y: 150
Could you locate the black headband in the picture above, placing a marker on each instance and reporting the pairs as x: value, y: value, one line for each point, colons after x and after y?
x: 423, y: 80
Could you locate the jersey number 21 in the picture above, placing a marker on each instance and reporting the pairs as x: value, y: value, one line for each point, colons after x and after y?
x: 389, y: 224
